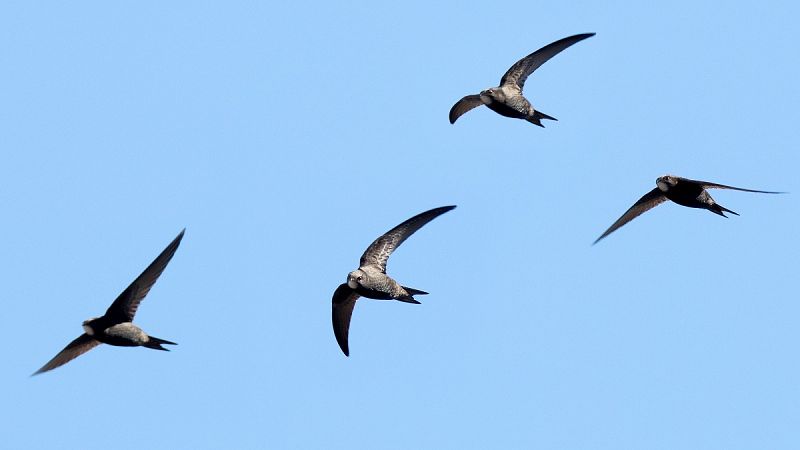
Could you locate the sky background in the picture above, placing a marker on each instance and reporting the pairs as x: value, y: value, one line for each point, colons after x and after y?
x: 286, y: 136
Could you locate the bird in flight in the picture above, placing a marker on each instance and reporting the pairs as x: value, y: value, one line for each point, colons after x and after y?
x: 370, y: 279
x: 683, y: 191
x: 115, y: 327
x: 507, y: 99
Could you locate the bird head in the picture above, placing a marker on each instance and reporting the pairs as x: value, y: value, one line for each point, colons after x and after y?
x: 492, y: 94
x: 87, y: 327
x: 666, y: 182
x: 354, y: 278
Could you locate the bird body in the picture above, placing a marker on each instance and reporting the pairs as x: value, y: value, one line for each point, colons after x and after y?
x: 683, y: 191
x: 115, y: 327
x: 370, y: 279
x: 124, y: 334
x: 371, y: 283
x: 507, y: 99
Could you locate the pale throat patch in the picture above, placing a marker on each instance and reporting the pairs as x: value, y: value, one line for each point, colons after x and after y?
x: 88, y: 330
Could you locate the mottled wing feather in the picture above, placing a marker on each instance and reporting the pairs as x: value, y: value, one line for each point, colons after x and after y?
x: 520, y: 71
x: 465, y: 104
x: 344, y: 300
x: 378, y: 252
x: 648, y: 201
x: 124, y: 307
x: 710, y: 185
x: 76, y: 348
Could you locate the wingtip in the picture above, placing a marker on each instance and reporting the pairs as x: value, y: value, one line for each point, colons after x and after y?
x: 40, y: 371
x: 440, y: 209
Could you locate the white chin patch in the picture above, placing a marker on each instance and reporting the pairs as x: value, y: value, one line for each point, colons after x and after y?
x: 662, y: 186
x: 88, y: 330
x: 352, y: 284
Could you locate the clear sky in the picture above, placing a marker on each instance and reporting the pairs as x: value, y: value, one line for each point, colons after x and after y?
x: 286, y: 136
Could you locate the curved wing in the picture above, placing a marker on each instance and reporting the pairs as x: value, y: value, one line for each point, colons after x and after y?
x: 124, y: 307
x: 76, y: 348
x: 710, y: 185
x: 344, y: 300
x: 378, y: 252
x: 520, y: 71
x: 648, y: 201
x: 462, y: 106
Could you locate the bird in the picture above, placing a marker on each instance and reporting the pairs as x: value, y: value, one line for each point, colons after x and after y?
x: 683, y: 191
x: 115, y: 327
x: 507, y: 99
x: 370, y: 279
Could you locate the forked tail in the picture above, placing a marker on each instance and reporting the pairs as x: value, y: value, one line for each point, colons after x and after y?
x: 537, y: 117
x: 155, y: 343
x: 718, y: 209
x: 411, y: 293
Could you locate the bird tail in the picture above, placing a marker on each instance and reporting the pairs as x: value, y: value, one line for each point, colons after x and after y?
x: 155, y: 343
x: 411, y: 293
x: 721, y: 210
x: 537, y: 117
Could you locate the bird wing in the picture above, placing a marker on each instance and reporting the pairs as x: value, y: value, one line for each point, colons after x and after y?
x: 462, y: 106
x: 124, y: 307
x: 79, y: 346
x: 378, y: 252
x: 709, y: 185
x: 648, y: 201
x: 520, y: 71
x: 344, y: 300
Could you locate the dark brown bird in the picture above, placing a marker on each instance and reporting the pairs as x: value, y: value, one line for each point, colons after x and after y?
x: 507, y: 99
x: 115, y: 327
x: 370, y: 279
x: 683, y: 191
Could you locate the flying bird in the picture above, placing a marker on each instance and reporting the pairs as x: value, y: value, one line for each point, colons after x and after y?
x: 507, y: 99
x: 115, y: 327
x: 370, y: 279
x: 683, y: 191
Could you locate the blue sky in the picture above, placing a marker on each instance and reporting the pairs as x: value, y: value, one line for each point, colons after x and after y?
x: 287, y: 136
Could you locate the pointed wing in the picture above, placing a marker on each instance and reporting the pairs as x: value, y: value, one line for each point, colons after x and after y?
x: 648, y: 201
x: 709, y: 185
x: 519, y: 72
x: 465, y: 104
x: 124, y: 307
x: 378, y: 252
x: 76, y: 348
x: 344, y: 300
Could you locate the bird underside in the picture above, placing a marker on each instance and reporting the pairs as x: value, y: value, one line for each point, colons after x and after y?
x: 507, y: 111
x: 407, y: 296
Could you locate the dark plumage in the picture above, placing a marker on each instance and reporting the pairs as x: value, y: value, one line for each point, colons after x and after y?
x: 683, y: 191
x: 507, y: 99
x: 370, y: 279
x: 115, y: 327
